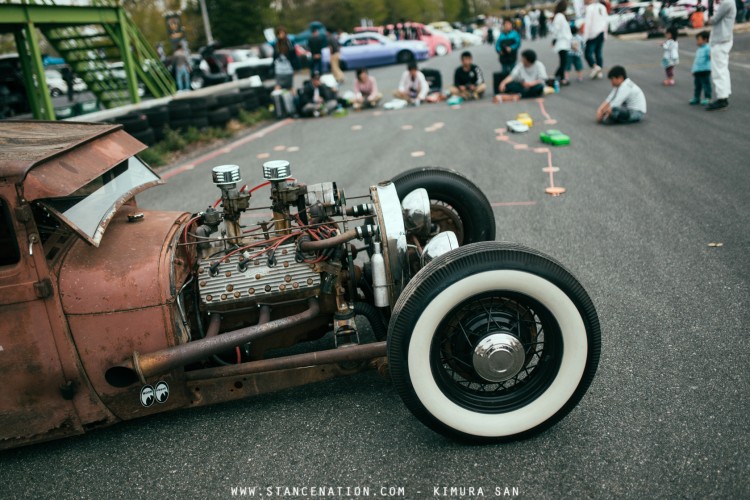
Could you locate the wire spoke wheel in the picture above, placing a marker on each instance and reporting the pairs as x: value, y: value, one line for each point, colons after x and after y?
x: 493, y: 342
x: 445, y: 218
x: 489, y: 316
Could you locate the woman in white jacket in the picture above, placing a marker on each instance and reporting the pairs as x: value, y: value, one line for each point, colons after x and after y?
x: 563, y: 37
x: 594, y: 30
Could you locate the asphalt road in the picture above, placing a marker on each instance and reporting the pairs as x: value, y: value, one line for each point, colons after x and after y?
x: 667, y: 413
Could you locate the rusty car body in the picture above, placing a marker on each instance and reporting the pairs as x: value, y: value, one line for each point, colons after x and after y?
x: 109, y: 312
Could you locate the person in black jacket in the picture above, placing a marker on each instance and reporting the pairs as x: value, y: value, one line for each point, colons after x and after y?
x: 316, y: 44
x: 316, y: 98
x: 468, y: 80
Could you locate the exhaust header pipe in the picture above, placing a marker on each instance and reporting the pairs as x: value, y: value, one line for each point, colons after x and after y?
x: 144, y: 366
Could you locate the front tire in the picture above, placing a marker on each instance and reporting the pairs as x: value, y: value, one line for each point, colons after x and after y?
x: 457, y: 204
x: 541, y: 323
x: 441, y: 50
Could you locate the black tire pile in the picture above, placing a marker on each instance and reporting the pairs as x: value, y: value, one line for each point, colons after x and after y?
x: 137, y: 125
x: 200, y: 112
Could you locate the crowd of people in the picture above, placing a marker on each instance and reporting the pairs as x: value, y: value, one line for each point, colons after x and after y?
x: 523, y: 75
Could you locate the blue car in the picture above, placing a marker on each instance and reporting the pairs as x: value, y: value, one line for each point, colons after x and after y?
x: 365, y: 50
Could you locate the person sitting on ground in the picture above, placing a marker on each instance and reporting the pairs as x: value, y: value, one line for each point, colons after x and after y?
x: 468, y: 80
x: 316, y: 98
x: 625, y: 104
x: 413, y: 87
x: 527, y: 78
x: 366, y: 93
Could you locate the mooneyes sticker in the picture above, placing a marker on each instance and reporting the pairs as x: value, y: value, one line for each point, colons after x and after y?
x: 162, y: 392
x: 149, y: 394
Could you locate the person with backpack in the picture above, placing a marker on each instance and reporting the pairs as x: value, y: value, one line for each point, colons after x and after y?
x: 285, y: 60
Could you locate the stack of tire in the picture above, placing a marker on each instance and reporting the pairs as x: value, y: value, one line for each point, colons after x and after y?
x: 148, y: 125
x: 192, y: 112
x: 250, y: 100
x: 264, y: 95
x: 137, y: 125
x: 158, y: 120
x: 227, y: 107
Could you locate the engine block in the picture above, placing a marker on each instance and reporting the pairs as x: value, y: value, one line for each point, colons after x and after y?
x: 238, y: 282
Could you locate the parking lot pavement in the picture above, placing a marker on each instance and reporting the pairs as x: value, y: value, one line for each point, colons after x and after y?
x: 666, y: 414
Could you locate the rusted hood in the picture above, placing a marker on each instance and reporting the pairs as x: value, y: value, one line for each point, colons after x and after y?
x: 56, y: 158
x: 131, y: 269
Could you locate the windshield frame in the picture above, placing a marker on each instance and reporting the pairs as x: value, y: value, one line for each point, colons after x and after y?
x: 124, y: 191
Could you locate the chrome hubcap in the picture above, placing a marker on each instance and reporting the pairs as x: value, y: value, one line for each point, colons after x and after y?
x: 498, y: 357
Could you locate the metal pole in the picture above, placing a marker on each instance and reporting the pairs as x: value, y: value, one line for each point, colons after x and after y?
x: 206, y: 23
x: 36, y: 83
x: 127, y: 56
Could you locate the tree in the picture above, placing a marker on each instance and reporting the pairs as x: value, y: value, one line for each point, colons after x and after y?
x: 150, y: 20
x: 451, y: 10
x: 238, y: 22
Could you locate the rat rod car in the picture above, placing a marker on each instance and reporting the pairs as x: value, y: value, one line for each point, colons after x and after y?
x: 109, y: 313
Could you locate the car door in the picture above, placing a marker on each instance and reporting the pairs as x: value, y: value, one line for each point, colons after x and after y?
x: 353, y: 52
x: 34, y: 402
x: 379, y: 52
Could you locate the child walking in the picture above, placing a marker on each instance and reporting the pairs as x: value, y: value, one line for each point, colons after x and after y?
x: 702, y: 70
x: 575, y: 56
x: 671, y: 57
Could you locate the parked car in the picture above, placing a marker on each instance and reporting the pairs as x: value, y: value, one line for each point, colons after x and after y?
x: 437, y: 44
x: 109, y: 312
x: 240, y: 63
x: 13, y: 100
x: 457, y: 37
x: 365, y: 50
x: 679, y: 13
x: 57, y: 84
x: 628, y: 18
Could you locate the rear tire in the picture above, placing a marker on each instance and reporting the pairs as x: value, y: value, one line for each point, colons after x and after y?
x: 405, y: 56
x: 441, y: 50
x: 503, y: 294
x: 458, y: 205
